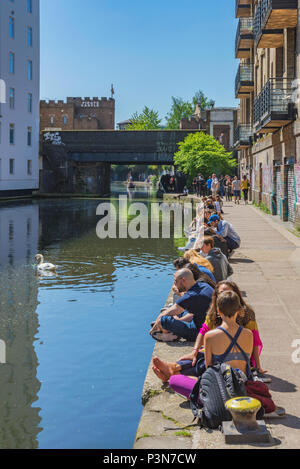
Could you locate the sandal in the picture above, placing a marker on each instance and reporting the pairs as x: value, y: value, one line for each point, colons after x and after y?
x: 163, y: 337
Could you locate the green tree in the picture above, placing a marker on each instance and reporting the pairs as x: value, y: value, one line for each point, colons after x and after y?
x: 181, y: 109
x: 203, y: 101
x: 147, y: 120
x: 202, y: 153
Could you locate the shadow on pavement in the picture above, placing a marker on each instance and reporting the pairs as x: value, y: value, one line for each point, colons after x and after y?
x: 290, y: 421
x: 281, y: 385
x: 240, y: 260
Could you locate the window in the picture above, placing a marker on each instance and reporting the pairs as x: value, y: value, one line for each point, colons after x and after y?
x: 29, y: 6
x: 65, y: 120
x: 29, y: 167
x: 11, y: 27
x: 12, y: 98
x: 11, y: 134
x: 29, y: 102
x: 11, y: 62
x: 29, y: 36
x: 29, y: 69
x: 11, y: 166
x: 29, y: 136
x: 51, y: 120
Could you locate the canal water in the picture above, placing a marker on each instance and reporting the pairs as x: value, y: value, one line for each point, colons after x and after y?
x: 77, y: 344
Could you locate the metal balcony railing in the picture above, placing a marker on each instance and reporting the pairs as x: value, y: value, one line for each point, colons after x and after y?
x: 242, y: 135
x: 257, y: 23
x: 245, y: 28
x: 276, y: 98
x: 264, y: 10
x: 244, y: 76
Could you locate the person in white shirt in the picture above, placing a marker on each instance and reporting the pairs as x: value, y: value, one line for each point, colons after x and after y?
x: 236, y: 187
x: 214, y: 185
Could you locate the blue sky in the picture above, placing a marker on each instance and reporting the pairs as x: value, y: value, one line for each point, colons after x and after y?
x: 149, y: 49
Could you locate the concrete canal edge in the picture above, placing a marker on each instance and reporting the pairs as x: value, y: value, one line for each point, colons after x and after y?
x: 166, y: 421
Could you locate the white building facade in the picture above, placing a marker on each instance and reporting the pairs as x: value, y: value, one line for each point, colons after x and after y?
x: 19, y: 96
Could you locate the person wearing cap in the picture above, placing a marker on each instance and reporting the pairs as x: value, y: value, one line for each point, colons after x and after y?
x: 225, y: 229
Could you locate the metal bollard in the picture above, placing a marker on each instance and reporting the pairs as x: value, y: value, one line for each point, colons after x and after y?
x: 244, y: 427
x: 244, y: 411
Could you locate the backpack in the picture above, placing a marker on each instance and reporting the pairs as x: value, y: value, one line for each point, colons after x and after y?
x: 217, y: 385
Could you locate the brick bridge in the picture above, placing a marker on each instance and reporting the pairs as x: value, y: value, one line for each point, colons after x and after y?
x: 79, y: 161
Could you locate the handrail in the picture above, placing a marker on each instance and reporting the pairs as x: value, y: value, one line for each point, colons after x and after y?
x: 244, y: 25
x: 244, y: 73
x: 276, y: 96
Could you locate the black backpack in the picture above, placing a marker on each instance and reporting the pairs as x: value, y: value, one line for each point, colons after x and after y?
x: 217, y: 385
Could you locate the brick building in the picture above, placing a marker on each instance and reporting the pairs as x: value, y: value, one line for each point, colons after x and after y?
x: 78, y: 114
x: 219, y: 122
x: 267, y: 84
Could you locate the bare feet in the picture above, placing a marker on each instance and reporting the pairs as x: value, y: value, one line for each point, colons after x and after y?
x: 168, y: 369
x: 160, y: 374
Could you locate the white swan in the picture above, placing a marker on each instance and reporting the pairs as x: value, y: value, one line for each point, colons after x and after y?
x: 44, y: 265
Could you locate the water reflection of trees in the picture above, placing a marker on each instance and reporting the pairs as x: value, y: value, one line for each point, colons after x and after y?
x: 68, y: 234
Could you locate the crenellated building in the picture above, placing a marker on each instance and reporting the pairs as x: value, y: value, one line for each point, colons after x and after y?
x: 267, y: 136
x: 78, y: 114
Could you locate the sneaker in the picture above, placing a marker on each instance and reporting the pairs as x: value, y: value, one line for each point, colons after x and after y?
x: 259, y: 377
x: 279, y: 412
x: 163, y: 337
x: 265, y: 379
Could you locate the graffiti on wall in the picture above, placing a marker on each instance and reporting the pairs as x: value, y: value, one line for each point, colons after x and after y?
x: 54, y: 138
x: 297, y: 180
x: 267, y: 179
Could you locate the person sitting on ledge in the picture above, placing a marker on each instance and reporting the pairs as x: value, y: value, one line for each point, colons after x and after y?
x: 193, y: 256
x: 229, y: 343
x: 182, y: 262
x: 219, y: 241
x: 225, y: 229
x: 187, y: 364
x: 195, y: 302
x: 222, y: 268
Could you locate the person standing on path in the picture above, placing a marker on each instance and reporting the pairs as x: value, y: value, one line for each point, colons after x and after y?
x: 214, y: 185
x: 245, y: 188
x: 208, y: 185
x: 236, y: 187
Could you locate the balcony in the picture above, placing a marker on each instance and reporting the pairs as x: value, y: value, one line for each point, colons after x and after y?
x: 274, y: 107
x: 242, y: 136
x: 244, y: 38
x: 244, y: 82
x: 243, y: 8
x: 271, y: 18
